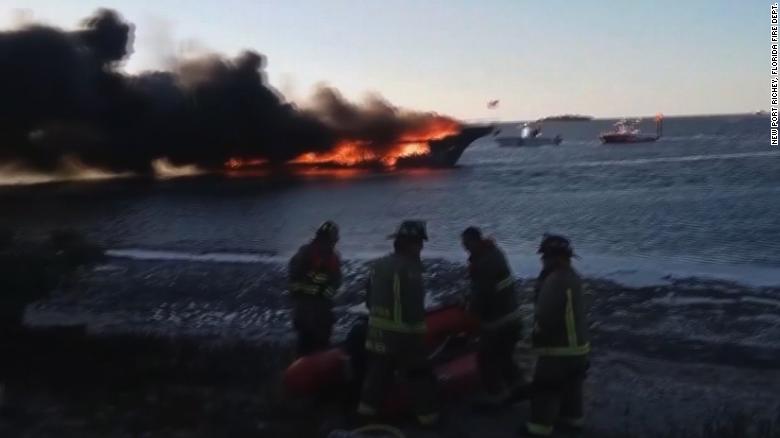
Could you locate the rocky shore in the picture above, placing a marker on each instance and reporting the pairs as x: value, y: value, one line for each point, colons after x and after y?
x: 171, y: 348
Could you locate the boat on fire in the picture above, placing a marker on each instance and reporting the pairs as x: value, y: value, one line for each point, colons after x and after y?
x: 437, y: 153
x: 445, y: 152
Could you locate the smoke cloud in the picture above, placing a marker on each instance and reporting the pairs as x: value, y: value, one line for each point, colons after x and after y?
x: 64, y: 97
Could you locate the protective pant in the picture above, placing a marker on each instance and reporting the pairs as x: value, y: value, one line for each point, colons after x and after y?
x: 313, y: 321
x: 497, y: 367
x: 380, y: 376
x: 557, y: 393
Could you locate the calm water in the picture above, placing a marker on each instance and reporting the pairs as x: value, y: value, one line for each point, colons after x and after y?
x: 701, y: 201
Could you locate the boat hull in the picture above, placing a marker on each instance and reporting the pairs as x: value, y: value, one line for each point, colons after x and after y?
x: 447, y: 151
x: 528, y: 142
x: 626, y: 138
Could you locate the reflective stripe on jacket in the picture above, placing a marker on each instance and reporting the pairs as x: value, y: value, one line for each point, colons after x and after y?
x: 493, y: 299
x: 560, y: 327
x: 314, y: 271
x: 396, y: 302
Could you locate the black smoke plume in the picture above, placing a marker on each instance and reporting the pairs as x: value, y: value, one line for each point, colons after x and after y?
x: 63, y: 96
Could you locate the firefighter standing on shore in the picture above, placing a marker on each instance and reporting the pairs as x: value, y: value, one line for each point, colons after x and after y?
x: 494, y: 302
x: 396, y: 327
x: 315, y: 276
x: 561, y: 340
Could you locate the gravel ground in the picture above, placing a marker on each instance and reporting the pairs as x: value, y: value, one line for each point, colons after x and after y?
x: 195, y: 349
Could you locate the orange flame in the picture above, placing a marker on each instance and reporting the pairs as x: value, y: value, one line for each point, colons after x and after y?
x: 350, y: 152
x: 346, y: 153
x: 435, y: 129
x: 413, y: 142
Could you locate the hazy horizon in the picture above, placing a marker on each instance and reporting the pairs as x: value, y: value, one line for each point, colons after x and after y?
x: 613, y: 117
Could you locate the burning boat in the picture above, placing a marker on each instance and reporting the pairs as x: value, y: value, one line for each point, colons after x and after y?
x: 440, y: 149
x: 444, y: 152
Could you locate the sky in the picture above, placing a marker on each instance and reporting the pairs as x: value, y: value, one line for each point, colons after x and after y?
x: 602, y: 58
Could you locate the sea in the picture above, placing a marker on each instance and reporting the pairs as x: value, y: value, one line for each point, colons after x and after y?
x: 700, y: 202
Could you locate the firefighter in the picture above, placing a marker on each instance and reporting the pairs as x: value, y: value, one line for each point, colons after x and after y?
x: 396, y: 327
x: 315, y: 276
x: 561, y: 341
x: 494, y: 302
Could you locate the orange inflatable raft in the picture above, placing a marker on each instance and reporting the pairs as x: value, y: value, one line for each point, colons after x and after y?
x: 311, y: 374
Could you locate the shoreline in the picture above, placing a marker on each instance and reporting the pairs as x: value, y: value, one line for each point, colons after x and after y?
x: 630, y: 271
x: 68, y: 383
x: 172, y: 349
x: 248, y: 301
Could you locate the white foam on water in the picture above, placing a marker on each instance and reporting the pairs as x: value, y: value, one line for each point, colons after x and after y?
x: 674, y: 300
x: 501, y: 161
x: 762, y: 301
x: 766, y: 318
x: 639, y: 271
x: 639, y: 161
x: 214, y: 257
x: 629, y: 271
x: 650, y: 271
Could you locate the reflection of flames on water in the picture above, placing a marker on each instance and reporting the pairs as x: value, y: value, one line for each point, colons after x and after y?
x: 349, y: 153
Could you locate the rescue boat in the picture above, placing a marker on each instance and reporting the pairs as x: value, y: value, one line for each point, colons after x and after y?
x: 341, y: 367
x: 626, y: 131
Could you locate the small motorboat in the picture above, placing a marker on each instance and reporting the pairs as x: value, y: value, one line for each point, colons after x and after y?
x: 530, y: 135
x: 627, y: 131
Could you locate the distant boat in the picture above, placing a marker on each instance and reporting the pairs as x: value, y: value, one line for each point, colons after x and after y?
x: 626, y: 131
x: 567, y: 118
x: 530, y: 135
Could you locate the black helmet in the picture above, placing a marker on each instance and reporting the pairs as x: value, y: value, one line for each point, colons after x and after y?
x: 411, y: 229
x: 329, y: 230
x: 555, y: 245
x: 472, y: 233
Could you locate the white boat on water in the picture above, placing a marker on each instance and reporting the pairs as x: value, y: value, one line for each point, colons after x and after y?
x: 530, y: 135
x: 627, y: 131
